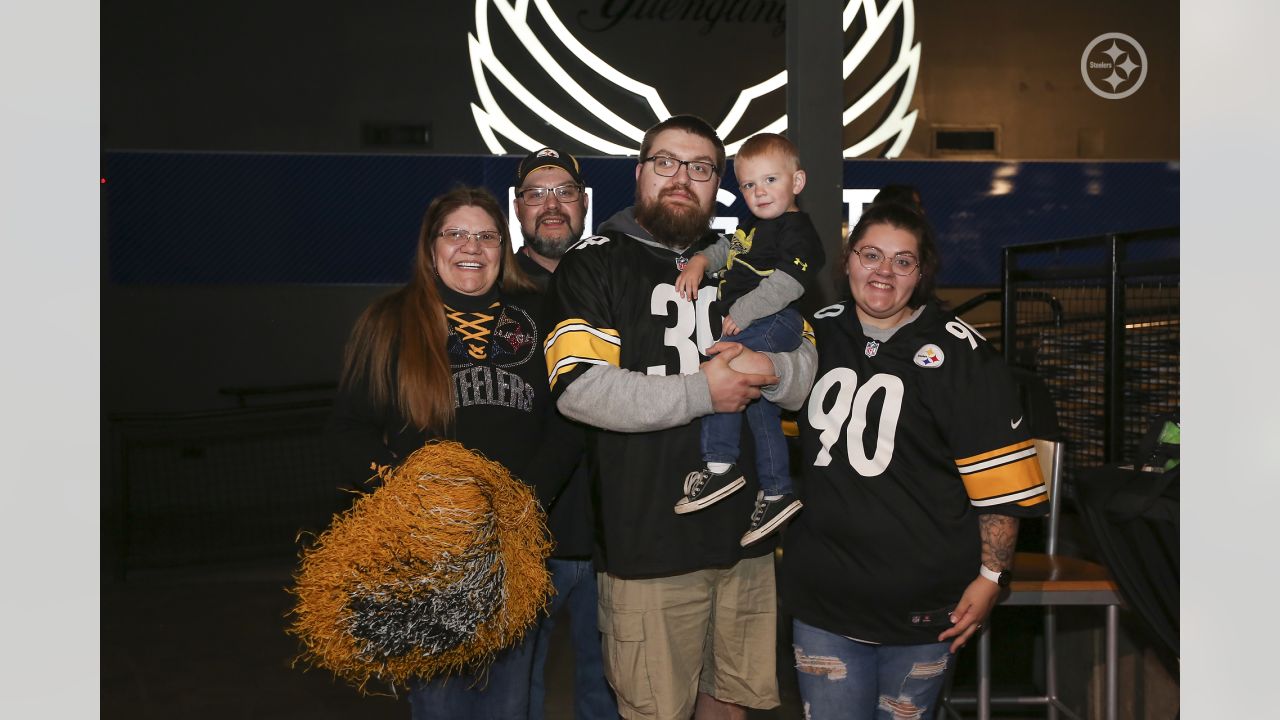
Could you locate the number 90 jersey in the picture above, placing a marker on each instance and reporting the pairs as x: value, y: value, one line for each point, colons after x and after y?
x: 615, y: 303
x: 904, y: 442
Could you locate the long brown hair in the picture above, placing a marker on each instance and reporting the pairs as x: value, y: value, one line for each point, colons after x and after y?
x: 398, y: 346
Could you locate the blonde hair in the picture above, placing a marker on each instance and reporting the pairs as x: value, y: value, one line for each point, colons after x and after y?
x: 765, y: 143
x: 398, y: 345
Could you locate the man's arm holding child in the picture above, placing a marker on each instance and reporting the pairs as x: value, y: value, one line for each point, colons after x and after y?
x: 613, y: 398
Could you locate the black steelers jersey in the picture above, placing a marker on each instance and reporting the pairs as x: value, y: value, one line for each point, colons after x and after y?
x: 502, y: 407
x: 788, y: 243
x: 903, y: 444
x: 614, y: 302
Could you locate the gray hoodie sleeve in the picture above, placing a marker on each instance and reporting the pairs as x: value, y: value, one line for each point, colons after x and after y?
x: 611, y: 398
x: 772, y: 295
x: 628, y: 401
x: 717, y: 255
x: 795, y: 371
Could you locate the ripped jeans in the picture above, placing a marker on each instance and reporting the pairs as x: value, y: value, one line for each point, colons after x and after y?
x: 843, y: 678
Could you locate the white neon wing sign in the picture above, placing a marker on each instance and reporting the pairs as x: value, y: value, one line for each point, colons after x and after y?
x: 492, y: 121
x: 899, y: 120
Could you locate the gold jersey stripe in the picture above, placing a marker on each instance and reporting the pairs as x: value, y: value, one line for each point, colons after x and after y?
x: 806, y: 333
x: 580, y: 325
x: 1019, y: 481
x: 999, y: 452
x: 790, y: 428
x: 1035, y: 500
x: 573, y: 341
x: 567, y: 365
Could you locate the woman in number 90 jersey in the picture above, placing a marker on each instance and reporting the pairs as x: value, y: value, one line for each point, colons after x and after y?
x: 916, y: 467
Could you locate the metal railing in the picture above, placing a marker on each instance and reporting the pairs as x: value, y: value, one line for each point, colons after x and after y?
x: 1108, y: 350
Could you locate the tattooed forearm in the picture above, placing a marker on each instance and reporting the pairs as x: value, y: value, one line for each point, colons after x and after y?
x: 999, y: 534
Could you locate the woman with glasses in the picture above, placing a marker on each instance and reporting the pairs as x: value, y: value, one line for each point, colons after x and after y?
x: 457, y: 354
x: 916, y: 467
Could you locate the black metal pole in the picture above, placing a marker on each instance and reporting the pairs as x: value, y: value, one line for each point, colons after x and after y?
x: 1008, y: 310
x: 1113, y: 390
x: 815, y: 103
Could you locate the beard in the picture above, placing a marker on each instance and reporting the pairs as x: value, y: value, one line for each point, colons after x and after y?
x: 550, y: 246
x: 677, y: 227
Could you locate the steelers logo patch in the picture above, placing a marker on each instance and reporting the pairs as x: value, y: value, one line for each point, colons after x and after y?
x: 929, y: 356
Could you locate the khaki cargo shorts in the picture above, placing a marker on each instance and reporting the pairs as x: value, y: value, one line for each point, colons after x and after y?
x: 715, y: 631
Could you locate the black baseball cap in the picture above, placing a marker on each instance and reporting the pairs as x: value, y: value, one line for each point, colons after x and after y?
x: 548, y: 157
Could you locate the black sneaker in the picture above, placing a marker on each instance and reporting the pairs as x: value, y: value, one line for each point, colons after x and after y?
x: 703, y: 488
x: 769, y: 516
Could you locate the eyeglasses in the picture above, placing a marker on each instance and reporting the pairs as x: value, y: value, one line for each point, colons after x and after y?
x: 872, y: 258
x: 459, y: 237
x: 699, y: 170
x: 538, y: 195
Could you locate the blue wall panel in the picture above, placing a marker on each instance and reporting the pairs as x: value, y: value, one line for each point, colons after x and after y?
x: 234, y: 219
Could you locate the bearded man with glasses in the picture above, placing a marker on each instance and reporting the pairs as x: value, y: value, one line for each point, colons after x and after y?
x: 551, y: 206
x: 688, y: 614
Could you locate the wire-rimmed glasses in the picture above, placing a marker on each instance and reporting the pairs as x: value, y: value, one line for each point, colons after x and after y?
x: 569, y: 193
x: 459, y: 237
x: 871, y: 258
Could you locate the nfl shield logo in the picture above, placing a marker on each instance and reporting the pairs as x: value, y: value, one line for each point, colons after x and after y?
x: 873, y: 347
x: 681, y: 261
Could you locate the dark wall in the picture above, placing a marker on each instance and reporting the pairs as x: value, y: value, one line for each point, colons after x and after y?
x: 171, y: 349
x: 288, y: 76
x: 305, y: 77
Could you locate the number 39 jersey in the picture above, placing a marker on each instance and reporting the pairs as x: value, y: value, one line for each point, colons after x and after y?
x: 615, y: 303
x: 904, y: 443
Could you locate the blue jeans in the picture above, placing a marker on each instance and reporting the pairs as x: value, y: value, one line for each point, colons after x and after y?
x: 843, y: 678
x: 503, y: 695
x: 575, y: 583
x: 721, y: 432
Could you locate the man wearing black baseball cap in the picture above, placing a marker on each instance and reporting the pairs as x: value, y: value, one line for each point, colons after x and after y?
x: 551, y: 205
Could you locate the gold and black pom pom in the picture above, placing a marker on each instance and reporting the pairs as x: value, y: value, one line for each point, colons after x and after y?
x: 431, y: 574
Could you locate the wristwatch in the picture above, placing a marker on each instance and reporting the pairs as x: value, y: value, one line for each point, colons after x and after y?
x: 1002, y: 578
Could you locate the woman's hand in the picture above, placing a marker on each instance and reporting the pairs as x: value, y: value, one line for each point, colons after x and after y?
x: 975, y: 605
x: 999, y: 534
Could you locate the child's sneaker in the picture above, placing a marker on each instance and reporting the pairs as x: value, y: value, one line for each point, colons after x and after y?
x: 703, y: 488
x: 769, y: 516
